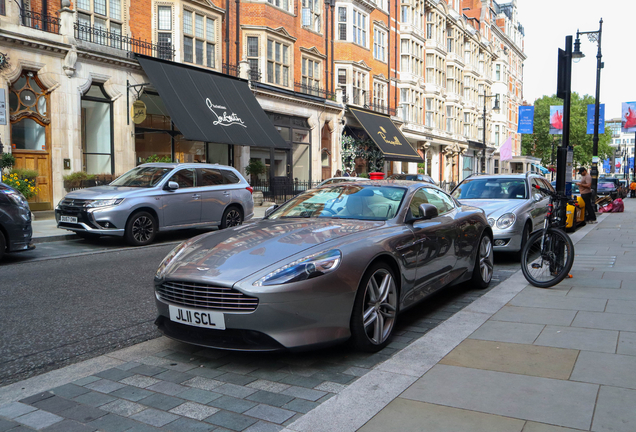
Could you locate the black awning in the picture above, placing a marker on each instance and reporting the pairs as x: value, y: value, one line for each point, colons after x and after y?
x: 383, y: 132
x: 476, y: 144
x: 209, y: 106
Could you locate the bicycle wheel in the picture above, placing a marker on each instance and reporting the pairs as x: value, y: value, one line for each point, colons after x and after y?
x: 547, y: 259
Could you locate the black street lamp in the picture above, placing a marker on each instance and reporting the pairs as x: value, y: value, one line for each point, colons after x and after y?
x: 496, y: 108
x: 593, y: 36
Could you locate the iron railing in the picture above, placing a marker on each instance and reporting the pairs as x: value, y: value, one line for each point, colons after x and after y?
x: 230, y: 69
x: 39, y: 21
x: 362, y: 100
x: 314, y: 91
x: 381, y: 108
x: 131, y: 45
x: 281, y: 189
x: 255, y: 75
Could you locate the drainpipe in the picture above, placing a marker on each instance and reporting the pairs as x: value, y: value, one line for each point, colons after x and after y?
x: 45, y: 12
x: 227, y: 34
x: 395, y: 60
x: 327, y: 4
x: 333, y: 11
x: 238, y: 25
x: 388, y: 60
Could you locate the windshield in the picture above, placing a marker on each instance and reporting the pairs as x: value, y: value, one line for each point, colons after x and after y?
x: 606, y: 185
x: 145, y: 177
x: 497, y: 188
x: 344, y: 202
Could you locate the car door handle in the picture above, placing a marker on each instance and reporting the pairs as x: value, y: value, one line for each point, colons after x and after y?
x: 226, y: 193
x: 196, y: 196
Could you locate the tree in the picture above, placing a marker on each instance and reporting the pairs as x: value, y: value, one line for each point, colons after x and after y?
x: 540, y: 143
x: 365, y: 149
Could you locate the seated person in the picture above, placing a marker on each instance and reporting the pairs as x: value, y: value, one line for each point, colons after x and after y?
x: 356, y: 205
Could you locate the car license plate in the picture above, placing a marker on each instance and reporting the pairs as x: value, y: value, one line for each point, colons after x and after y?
x: 197, y: 318
x: 69, y: 219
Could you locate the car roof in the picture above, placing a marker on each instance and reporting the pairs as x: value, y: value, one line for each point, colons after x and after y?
x: 407, y: 184
x: 347, y: 178
x: 186, y: 165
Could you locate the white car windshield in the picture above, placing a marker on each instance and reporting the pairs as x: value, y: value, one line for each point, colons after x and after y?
x: 344, y: 202
x: 144, y: 177
x: 491, y: 188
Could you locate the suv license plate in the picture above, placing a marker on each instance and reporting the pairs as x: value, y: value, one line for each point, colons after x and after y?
x: 69, y: 219
x: 197, y: 318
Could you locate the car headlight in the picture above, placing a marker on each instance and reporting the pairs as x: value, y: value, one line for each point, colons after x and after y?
x: 104, y: 202
x: 174, y: 253
x: 491, y: 222
x: 17, y: 198
x: 506, y: 221
x: 305, y: 268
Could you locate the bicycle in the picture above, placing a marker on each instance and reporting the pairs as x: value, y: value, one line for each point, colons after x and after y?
x: 548, y: 255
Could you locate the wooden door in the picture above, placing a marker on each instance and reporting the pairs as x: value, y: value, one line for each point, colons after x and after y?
x: 41, y: 162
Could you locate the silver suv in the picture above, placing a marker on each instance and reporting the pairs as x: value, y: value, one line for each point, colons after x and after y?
x: 513, y: 206
x: 158, y: 197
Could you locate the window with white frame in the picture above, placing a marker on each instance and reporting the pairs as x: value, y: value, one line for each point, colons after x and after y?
x: 342, y: 77
x: 277, y: 63
x: 430, y: 113
x: 164, y: 32
x: 450, y: 118
x: 496, y: 135
x: 467, y: 124
x: 411, y: 101
x: 480, y: 92
x: 359, y: 88
x: 412, y: 58
x: 360, y: 28
x: 252, y: 54
x: 480, y: 67
x: 379, y: 44
x: 379, y: 95
x: 497, y: 72
x: 311, y: 75
x: 283, y: 4
x: 311, y: 13
x: 430, y: 25
x: 342, y: 23
x: 450, y: 40
x: 405, y: 14
x: 104, y: 15
x: 413, y: 13
x: 199, y: 39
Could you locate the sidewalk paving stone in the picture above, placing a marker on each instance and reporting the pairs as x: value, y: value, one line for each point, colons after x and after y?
x: 615, y: 410
x: 105, y: 386
x: 114, y: 374
x: 69, y: 391
x: 413, y: 415
x: 194, y: 410
x: 198, y: 395
x: 113, y: 423
x: 237, y: 379
x: 147, y: 370
x: 154, y: 417
x: 262, y: 426
x: 189, y: 425
x: 508, y: 332
x: 55, y: 404
x: 68, y: 426
x: 5, y: 425
x: 232, y: 421
x: 609, y: 369
x: 621, y: 307
x: 269, y: 398
x: 204, y: 372
x: 534, y: 315
x: 167, y: 387
x: 552, y: 302
x: 545, y: 400
x: 173, y: 376
x: 123, y: 407
x: 267, y: 385
x: 542, y: 427
x: 162, y: 401
x: 514, y: 358
x: 39, y: 419
x: 602, y: 293
x: 301, y: 405
x: 584, y: 339
x: 230, y: 403
x: 140, y: 381
x: 83, y: 413
x: 235, y: 390
x: 626, y: 343
x: 304, y: 393
x: 94, y: 399
x: 203, y: 383
x: 131, y: 393
x: 270, y: 413
x: 605, y: 321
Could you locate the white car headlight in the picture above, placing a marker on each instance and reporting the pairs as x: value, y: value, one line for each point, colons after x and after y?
x: 506, y: 221
x: 305, y: 268
x: 104, y: 202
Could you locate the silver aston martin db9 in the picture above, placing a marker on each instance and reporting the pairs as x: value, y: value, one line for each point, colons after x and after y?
x: 334, y: 263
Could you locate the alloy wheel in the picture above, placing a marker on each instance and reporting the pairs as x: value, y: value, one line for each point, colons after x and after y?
x: 233, y: 218
x: 142, y: 229
x: 380, y: 306
x: 486, y: 259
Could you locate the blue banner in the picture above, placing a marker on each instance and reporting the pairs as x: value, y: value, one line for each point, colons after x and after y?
x: 601, y: 119
x: 607, y: 166
x: 526, y: 119
x: 630, y: 163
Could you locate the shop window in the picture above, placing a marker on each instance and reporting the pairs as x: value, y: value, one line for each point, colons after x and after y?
x: 103, y: 16
x: 28, y: 107
x: 277, y: 63
x: 97, y: 132
x: 311, y: 76
x: 199, y: 40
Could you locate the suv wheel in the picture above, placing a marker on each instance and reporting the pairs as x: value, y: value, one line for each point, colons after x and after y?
x: 232, y: 216
x: 141, y: 229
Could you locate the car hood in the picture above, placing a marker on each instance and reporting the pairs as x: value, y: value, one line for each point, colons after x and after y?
x: 105, y: 192
x: 228, y: 256
x: 494, y: 208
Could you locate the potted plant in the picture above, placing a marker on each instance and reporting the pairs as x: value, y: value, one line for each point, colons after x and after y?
x: 255, y: 168
x: 78, y: 180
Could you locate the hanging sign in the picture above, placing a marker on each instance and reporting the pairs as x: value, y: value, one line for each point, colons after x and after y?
x: 526, y: 119
x: 556, y: 119
x: 601, y: 119
x: 628, y: 116
x: 138, y: 112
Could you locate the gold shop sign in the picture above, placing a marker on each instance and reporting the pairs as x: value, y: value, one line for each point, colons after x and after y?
x: 395, y: 141
x: 138, y: 112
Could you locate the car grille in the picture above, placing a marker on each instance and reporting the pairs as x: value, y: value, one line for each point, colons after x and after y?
x: 204, y: 296
x: 70, y: 204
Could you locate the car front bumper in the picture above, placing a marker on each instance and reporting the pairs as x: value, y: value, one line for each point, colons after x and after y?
x: 507, y: 240
x: 102, y: 221
x: 290, y: 316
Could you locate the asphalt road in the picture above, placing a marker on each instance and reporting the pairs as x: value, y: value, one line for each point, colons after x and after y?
x: 84, y: 300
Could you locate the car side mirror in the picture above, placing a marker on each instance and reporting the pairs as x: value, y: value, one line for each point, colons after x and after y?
x: 537, y: 197
x: 426, y: 211
x: 172, y: 186
x: 271, y: 209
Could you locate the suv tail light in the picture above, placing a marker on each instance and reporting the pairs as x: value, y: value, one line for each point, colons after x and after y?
x: 250, y: 188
